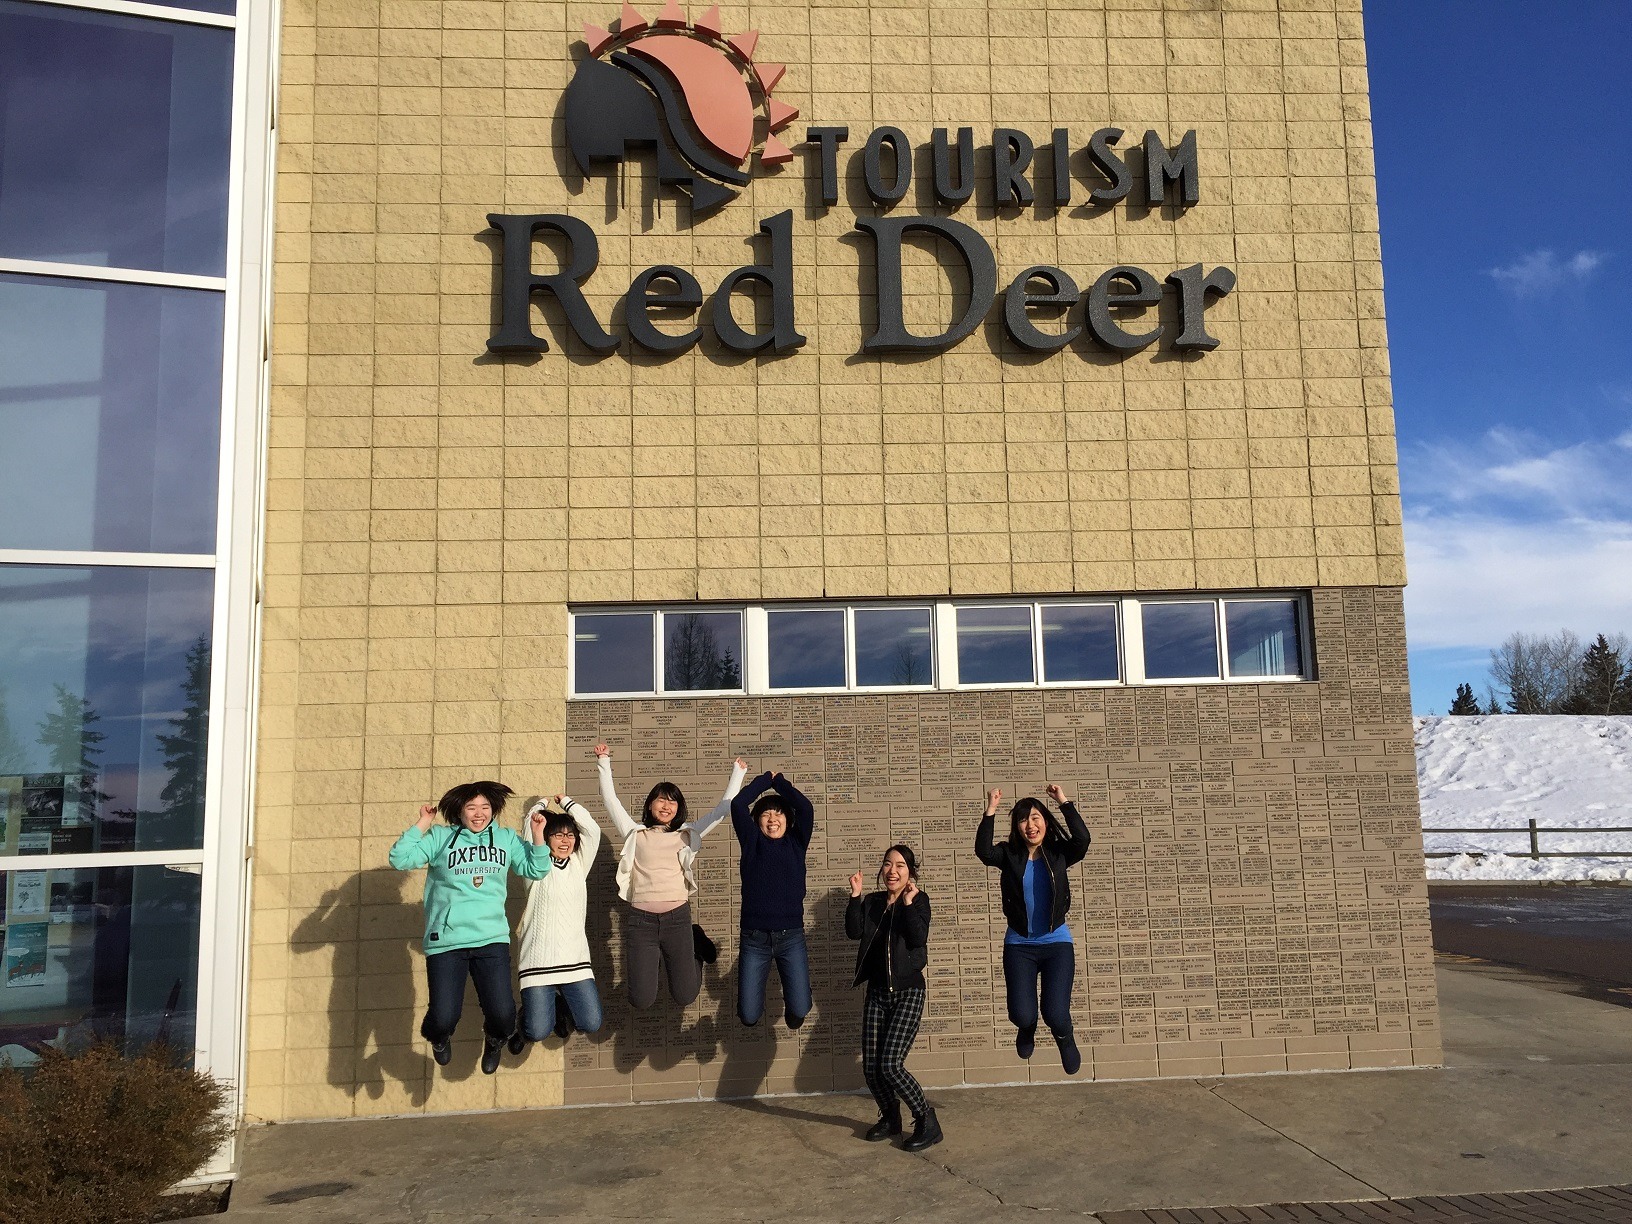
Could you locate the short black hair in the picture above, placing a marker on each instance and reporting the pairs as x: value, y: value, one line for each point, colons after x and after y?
x: 452, y: 804
x: 560, y: 822
x: 769, y: 802
x: 665, y: 790
x: 1055, y: 836
x: 907, y: 857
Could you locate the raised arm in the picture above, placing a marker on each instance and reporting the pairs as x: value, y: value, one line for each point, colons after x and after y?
x: 609, y: 795
x: 1076, y: 828
x: 417, y: 845
x: 912, y: 912
x: 742, y: 804
x: 530, y: 860
x: 700, y: 829
x: 801, y: 815
x: 985, y: 850
x: 855, y: 914
x: 589, y: 833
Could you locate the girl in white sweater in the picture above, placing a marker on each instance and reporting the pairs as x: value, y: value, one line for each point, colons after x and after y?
x: 557, y: 982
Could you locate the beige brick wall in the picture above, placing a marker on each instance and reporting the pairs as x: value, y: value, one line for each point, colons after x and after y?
x: 432, y: 508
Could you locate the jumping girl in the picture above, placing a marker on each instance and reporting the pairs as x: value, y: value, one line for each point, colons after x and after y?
x: 774, y: 823
x: 466, y: 931
x: 1036, y: 897
x: 655, y: 876
x: 557, y: 981
x: 893, y: 927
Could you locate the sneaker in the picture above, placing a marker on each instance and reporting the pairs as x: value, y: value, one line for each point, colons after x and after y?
x: 1025, y: 1041
x: 492, y: 1051
x: 926, y: 1132
x: 442, y: 1051
x: 887, y: 1126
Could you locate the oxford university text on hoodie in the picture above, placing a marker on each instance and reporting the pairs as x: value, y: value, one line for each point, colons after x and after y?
x: 554, y: 943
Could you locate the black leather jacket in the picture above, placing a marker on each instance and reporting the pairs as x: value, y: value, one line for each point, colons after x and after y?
x: 1009, y: 856
x: 908, y: 950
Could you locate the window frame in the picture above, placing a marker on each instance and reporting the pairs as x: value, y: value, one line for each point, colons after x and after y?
x: 660, y: 640
x: 1117, y: 618
x: 1300, y: 613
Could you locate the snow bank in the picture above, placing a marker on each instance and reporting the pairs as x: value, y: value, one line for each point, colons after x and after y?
x: 1499, y: 771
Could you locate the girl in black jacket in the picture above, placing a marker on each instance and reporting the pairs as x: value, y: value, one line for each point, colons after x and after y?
x: 893, y: 927
x: 1036, y: 897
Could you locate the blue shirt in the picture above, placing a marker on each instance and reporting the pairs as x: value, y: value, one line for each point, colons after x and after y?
x: 1039, y: 890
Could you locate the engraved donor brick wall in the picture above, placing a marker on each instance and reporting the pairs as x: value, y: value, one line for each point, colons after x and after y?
x: 1253, y: 901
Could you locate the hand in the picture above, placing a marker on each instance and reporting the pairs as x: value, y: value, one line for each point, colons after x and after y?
x: 539, y: 818
x: 909, y: 892
x: 1057, y: 794
x: 856, y: 881
x: 740, y: 763
x: 427, y: 813
x: 558, y: 800
x: 993, y: 798
x: 601, y: 750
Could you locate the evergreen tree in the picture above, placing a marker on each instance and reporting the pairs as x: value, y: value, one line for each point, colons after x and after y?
x: 1466, y: 702
x: 1492, y: 705
x: 72, y: 743
x: 1603, y: 682
x: 13, y: 756
x: 186, y: 745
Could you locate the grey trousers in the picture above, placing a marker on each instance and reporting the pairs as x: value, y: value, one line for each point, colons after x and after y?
x: 665, y: 938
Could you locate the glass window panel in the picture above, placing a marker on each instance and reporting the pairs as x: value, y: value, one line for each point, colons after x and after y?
x: 806, y: 648
x: 702, y: 650
x: 893, y: 647
x: 105, y: 952
x: 1263, y: 637
x: 994, y: 646
x: 110, y: 405
x: 1181, y: 640
x: 104, y: 708
x: 1079, y: 642
x: 612, y: 652
x: 115, y: 135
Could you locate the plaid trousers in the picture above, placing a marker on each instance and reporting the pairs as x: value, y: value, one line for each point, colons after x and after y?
x: 889, y: 1025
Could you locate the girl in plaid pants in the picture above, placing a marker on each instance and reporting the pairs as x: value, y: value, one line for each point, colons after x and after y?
x: 892, y: 926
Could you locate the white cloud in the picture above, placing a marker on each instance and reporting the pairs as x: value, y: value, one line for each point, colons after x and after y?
x: 1542, y: 271
x: 1513, y: 474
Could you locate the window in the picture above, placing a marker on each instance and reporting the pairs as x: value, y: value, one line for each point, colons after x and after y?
x: 894, y: 647
x: 994, y: 646
x: 948, y: 644
x: 1263, y: 637
x: 806, y: 648
x: 612, y: 653
x: 1079, y: 643
x: 702, y: 651
x: 1181, y: 640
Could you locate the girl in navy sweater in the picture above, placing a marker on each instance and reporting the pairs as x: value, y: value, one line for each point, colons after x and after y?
x: 774, y: 823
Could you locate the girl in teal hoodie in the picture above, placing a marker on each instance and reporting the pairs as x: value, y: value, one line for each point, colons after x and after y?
x: 466, y: 931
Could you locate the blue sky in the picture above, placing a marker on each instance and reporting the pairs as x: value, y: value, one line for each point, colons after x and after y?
x: 1505, y: 186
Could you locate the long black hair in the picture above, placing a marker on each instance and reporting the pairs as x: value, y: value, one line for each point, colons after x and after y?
x: 665, y: 790
x: 452, y: 804
x: 1056, y: 836
x: 907, y: 856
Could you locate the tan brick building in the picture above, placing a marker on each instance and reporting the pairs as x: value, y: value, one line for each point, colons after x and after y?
x: 1165, y: 575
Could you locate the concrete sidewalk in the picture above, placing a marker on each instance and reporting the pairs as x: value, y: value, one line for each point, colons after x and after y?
x: 1537, y: 1094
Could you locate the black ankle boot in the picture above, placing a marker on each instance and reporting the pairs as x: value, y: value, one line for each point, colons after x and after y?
x: 492, y: 1051
x: 926, y: 1132
x: 887, y: 1126
x: 1025, y: 1041
x: 1070, y: 1056
x: 518, y: 1042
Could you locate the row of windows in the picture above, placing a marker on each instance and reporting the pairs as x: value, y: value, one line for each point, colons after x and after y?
x: 633, y: 652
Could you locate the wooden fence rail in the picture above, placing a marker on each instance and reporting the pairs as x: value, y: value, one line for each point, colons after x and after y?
x: 1535, y: 831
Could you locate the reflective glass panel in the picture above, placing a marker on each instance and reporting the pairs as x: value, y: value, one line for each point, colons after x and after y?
x: 1079, y: 642
x: 806, y: 648
x: 105, y: 952
x: 612, y: 652
x: 1263, y: 637
x: 110, y: 407
x: 702, y: 650
x: 104, y: 708
x: 994, y: 646
x: 893, y: 647
x: 1181, y: 640
x: 115, y: 135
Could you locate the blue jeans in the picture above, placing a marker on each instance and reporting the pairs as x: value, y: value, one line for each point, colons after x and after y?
x: 489, y: 968
x: 538, y: 1003
x: 759, y: 949
x: 1056, y: 964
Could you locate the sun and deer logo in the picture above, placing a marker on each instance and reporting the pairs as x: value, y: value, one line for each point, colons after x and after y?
x: 683, y: 89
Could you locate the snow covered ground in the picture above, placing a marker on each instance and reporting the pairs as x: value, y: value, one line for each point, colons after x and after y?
x: 1497, y: 772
